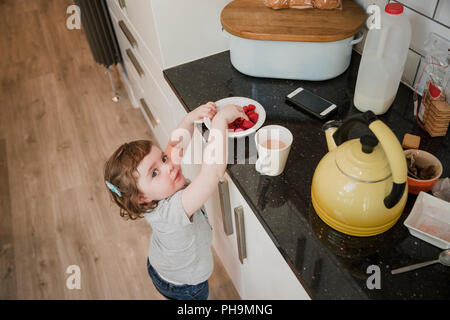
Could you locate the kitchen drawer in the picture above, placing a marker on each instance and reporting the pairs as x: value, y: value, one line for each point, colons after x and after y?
x: 114, y: 8
x: 150, y: 114
x: 150, y: 57
x: 139, y: 94
x: 151, y: 90
x: 148, y: 110
x: 139, y: 70
x: 149, y: 62
x: 158, y: 130
x: 139, y: 15
x: 149, y: 53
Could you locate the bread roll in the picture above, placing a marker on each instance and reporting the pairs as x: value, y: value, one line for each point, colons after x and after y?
x: 300, y: 4
x: 326, y: 4
x: 277, y: 4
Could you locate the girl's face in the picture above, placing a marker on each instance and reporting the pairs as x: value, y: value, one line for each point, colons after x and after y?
x: 158, y: 176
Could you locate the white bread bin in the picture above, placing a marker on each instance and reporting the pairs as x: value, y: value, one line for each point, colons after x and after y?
x: 299, y: 44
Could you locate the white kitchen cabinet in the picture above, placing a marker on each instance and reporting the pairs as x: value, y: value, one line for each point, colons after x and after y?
x: 263, y: 274
x: 144, y: 103
x: 226, y: 245
x: 140, y: 14
x: 147, y: 46
x: 148, y: 49
x: 266, y: 273
x: 143, y: 84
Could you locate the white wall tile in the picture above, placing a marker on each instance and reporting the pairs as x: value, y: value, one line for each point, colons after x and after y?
x: 423, y: 6
x: 443, y: 12
x: 421, y: 27
x: 412, y: 61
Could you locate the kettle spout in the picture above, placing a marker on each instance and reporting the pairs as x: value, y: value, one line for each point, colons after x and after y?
x: 330, y: 128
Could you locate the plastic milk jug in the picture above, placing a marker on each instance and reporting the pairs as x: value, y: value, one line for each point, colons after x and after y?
x: 383, y: 61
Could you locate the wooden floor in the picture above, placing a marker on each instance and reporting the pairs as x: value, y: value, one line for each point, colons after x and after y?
x: 58, y: 125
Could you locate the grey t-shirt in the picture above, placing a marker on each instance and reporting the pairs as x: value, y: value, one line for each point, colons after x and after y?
x: 180, y: 249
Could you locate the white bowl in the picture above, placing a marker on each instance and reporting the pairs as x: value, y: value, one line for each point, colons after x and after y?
x: 429, y: 220
x: 242, y: 102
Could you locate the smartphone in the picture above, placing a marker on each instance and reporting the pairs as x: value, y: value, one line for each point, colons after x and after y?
x: 311, y: 103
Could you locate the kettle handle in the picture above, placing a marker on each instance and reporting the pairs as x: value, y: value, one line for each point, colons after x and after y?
x: 389, y: 141
x: 341, y: 134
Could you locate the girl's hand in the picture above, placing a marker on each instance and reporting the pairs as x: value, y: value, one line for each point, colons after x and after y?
x: 231, y: 112
x: 208, y: 110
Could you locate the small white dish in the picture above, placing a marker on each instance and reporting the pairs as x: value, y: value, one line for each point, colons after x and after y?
x: 429, y: 220
x: 242, y: 102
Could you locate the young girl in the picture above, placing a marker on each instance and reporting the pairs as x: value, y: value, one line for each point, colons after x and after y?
x: 146, y: 182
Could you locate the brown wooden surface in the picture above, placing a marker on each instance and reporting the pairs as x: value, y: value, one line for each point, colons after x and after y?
x: 251, y: 19
x: 58, y: 125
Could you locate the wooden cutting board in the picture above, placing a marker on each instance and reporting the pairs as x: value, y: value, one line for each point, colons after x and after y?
x: 251, y: 19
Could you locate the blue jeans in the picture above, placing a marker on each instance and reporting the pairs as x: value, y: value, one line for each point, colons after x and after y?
x: 178, y: 292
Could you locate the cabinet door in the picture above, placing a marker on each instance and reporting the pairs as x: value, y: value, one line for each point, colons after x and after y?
x: 265, y: 273
x: 225, y: 245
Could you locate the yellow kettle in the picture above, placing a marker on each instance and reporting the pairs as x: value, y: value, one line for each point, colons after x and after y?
x: 359, y: 187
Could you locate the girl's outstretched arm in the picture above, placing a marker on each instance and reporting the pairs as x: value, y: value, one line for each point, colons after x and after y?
x: 181, y: 136
x: 215, y: 158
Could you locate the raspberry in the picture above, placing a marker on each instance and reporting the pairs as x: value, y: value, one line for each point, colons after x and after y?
x: 247, y: 124
x: 253, y: 117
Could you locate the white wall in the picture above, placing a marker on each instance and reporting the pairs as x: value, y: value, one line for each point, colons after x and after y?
x: 425, y: 16
x: 188, y: 29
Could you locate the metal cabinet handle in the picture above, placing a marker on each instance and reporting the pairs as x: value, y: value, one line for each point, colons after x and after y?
x: 122, y: 4
x: 225, y: 207
x: 240, y: 233
x: 149, y: 113
x: 136, y: 64
x: 128, y: 34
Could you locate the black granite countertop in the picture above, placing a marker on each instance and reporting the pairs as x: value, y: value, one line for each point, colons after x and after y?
x: 329, y: 264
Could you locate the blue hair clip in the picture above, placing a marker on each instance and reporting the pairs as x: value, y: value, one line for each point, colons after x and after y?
x: 113, y: 188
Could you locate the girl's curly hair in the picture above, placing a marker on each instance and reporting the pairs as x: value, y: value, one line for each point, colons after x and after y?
x: 120, y: 170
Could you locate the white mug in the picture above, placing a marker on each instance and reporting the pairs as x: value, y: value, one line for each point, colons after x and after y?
x: 271, y: 162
